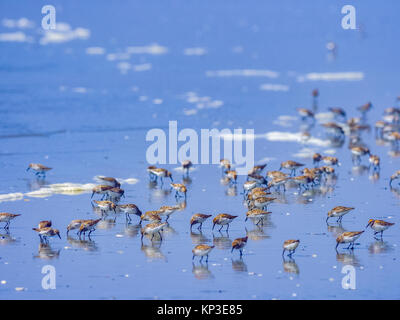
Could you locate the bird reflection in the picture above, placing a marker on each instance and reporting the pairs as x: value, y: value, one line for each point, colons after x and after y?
x: 348, y: 258
x: 106, y: 224
x: 87, y: 245
x: 198, y: 238
x: 336, y: 230
x: 201, y: 271
x: 46, y: 252
x: 379, y: 246
x: 186, y: 180
x: 6, y: 238
x: 231, y: 191
x: 153, y: 251
x: 290, y: 265
x: 239, y: 265
x: 36, y: 184
x: 222, y: 242
x: 132, y: 230
x: 359, y: 170
x: 258, y: 233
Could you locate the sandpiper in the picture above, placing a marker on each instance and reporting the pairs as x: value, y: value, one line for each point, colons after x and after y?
x: 365, y: 107
x: 129, y: 209
x: 317, y: 158
x: 257, y: 178
x: 277, y: 183
x: 239, y: 244
x: 105, y: 206
x: 115, y: 193
x: 330, y: 161
x: 160, y: 172
x: 101, y: 189
x: 74, y: 224
x: 223, y: 219
x: 7, y: 217
x: 302, y: 181
x: 202, y: 250
x: 88, y: 225
x: 249, y: 185
x: 291, y: 246
x: 109, y: 181
x: 45, y: 233
x: 153, y: 228
x: 338, y: 212
x: 276, y: 174
x: 257, y: 169
x: 262, y: 202
x: 225, y: 164
x: 179, y: 189
x: 305, y: 113
x: 232, y: 176
x: 394, y: 176
x: 152, y: 216
x: 168, y: 210
x: 375, y: 162
x: 198, y: 218
x: 186, y: 165
x: 333, y: 129
x: 257, y: 214
x: 348, y: 237
x: 378, y: 226
x: 44, y: 224
x: 338, y: 112
x: 358, y: 152
x: 291, y: 165
x: 40, y: 170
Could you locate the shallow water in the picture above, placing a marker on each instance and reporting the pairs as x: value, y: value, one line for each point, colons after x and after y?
x: 225, y: 65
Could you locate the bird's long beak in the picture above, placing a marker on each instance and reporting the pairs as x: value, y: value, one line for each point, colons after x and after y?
x: 27, y: 169
x: 59, y: 235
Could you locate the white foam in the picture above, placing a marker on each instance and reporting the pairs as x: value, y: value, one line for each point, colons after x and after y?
x: 95, y: 50
x: 21, y: 23
x: 195, y: 51
x: 274, y: 87
x: 295, y: 137
x: 153, y: 49
x: 64, y: 33
x: 11, y: 196
x: 331, y: 76
x: 304, y: 153
x: 15, y: 37
x: 242, y: 73
x: 142, y: 67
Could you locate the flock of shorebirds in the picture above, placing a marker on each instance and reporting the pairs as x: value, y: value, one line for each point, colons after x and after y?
x: 256, y: 189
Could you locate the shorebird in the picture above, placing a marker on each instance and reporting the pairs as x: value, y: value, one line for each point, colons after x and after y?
x: 333, y: 129
x: 168, y: 210
x: 223, y: 219
x: 202, y: 250
x: 257, y: 214
x: 278, y: 183
x: 291, y: 246
x: 44, y: 224
x: 179, y: 189
x: 330, y: 161
x: 198, y: 218
x: 109, y: 181
x: 152, y: 216
x: 305, y: 113
x: 186, y: 165
x: 129, y: 209
x: 262, y: 202
x: 239, y: 244
x: 338, y: 112
x: 225, y: 164
x: 232, y: 176
x: 88, y: 225
x: 74, y: 224
x: 378, y: 226
x: 105, y: 206
x: 45, y: 233
x: 160, y: 172
x: 249, y: 185
x: 338, y: 212
x: 365, y: 108
x: 358, y: 152
x: 348, y: 237
x: 101, y: 189
x: 394, y: 176
x: 153, y: 228
x: 257, y: 169
x: 115, y: 193
x: 375, y: 162
x: 302, y: 181
x: 317, y: 158
x: 40, y: 170
x: 7, y: 217
x: 291, y: 165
